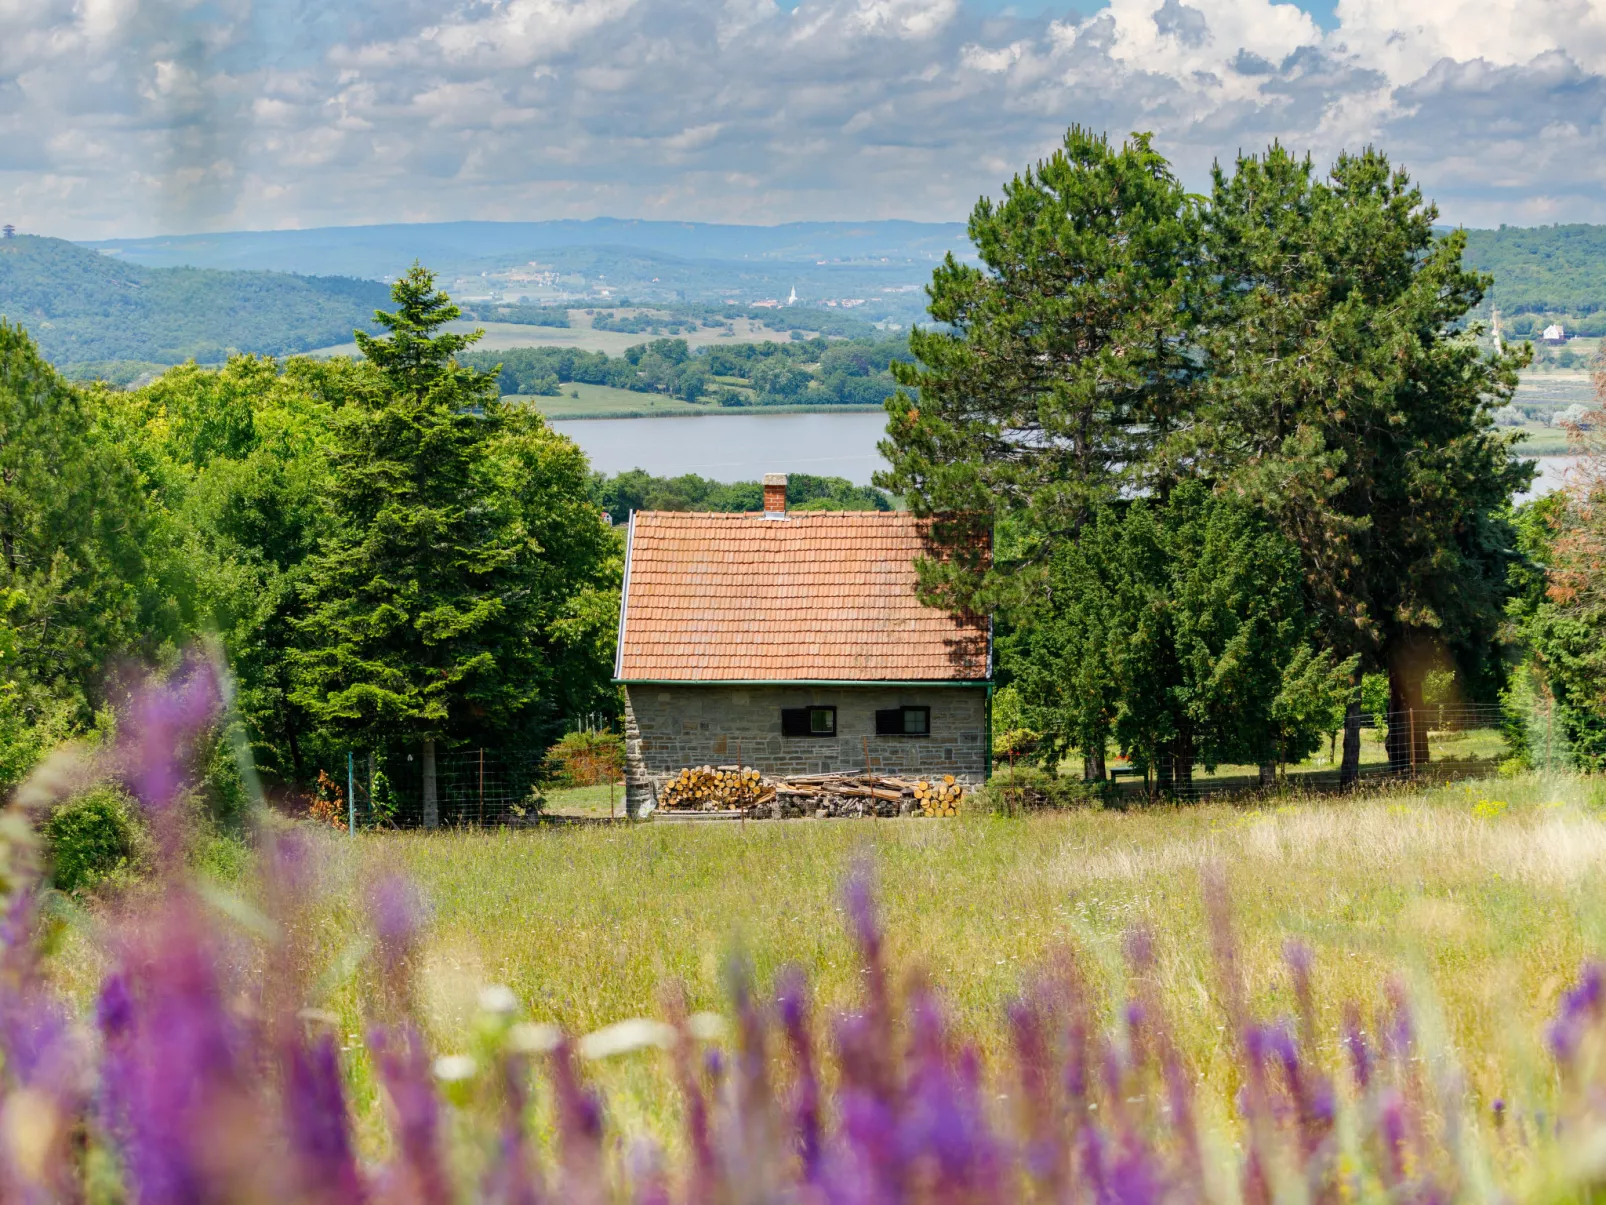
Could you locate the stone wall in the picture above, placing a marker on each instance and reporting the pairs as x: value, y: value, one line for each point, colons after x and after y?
x: 668, y: 728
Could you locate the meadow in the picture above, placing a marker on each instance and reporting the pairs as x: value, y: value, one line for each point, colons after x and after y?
x: 1481, y: 897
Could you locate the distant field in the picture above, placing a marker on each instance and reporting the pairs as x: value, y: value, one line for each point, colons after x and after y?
x: 604, y: 401
x: 499, y: 336
x: 1543, y: 441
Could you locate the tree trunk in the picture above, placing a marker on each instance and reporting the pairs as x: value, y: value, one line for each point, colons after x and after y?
x: 1093, y: 769
x: 1350, y: 770
x: 1268, y: 775
x: 1178, y: 761
x: 1162, y: 771
x: 1408, y: 661
x: 432, y: 811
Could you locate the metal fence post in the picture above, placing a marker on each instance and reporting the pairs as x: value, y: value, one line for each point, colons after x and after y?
x: 351, y: 792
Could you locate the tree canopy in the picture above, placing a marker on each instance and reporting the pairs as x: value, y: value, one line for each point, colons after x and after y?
x: 1296, y: 343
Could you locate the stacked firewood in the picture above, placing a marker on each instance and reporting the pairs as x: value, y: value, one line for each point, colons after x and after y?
x: 732, y: 788
x: 716, y: 789
x: 941, y: 798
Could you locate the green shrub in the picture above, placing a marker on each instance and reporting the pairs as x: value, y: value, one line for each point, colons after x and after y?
x: 586, y: 759
x: 1028, y: 788
x: 91, y: 839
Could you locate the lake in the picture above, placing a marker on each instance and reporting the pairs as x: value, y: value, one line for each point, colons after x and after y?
x: 743, y: 447
x: 734, y: 447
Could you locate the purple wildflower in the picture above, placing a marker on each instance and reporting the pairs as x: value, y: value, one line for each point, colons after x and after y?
x: 792, y: 1001
x: 417, y: 1175
x: 317, y: 1124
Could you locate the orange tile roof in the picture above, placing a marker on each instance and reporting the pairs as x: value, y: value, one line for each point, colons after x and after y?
x: 814, y: 596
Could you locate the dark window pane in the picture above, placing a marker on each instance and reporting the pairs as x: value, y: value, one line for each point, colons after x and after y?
x: 889, y: 722
x: 794, y: 721
x: 822, y: 721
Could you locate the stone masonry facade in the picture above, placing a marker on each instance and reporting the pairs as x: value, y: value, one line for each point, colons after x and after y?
x: 673, y: 726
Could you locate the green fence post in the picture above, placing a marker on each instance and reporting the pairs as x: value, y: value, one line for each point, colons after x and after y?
x: 351, y: 792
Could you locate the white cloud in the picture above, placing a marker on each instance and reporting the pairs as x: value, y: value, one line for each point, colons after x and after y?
x: 125, y: 116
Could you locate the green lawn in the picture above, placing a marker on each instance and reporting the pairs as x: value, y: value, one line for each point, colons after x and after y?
x: 589, y: 802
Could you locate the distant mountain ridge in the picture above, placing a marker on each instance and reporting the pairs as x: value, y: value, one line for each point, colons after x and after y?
x: 82, y: 306
x: 386, y: 250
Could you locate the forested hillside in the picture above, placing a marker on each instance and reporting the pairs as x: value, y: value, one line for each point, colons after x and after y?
x: 82, y: 306
x: 1544, y: 271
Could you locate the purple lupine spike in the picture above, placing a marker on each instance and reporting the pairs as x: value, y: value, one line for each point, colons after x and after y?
x: 863, y: 1163
x: 323, y: 1165
x: 1042, y: 1127
x: 176, y: 1092
x: 1391, y: 1133
x: 704, y: 1171
x: 418, y: 1172
x: 859, y: 899
x: 397, y: 913
x: 792, y: 1001
x: 1580, y: 1008
x: 579, y: 1116
x: 651, y: 1185
x: 512, y: 1178
x: 162, y: 721
x: 1224, y: 947
x: 41, y: 1086
x: 1360, y: 1052
x: 1297, y: 956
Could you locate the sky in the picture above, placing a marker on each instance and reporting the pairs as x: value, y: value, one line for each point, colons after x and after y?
x: 136, y: 117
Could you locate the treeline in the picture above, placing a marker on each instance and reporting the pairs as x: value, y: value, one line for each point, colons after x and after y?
x: 623, y: 317
x: 636, y: 489
x: 1213, y: 460
x: 801, y: 372
x: 384, y: 552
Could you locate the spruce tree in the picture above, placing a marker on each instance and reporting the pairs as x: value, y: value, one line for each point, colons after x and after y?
x: 416, y: 624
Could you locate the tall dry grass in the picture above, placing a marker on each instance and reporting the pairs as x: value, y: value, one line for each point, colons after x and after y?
x: 1482, y: 897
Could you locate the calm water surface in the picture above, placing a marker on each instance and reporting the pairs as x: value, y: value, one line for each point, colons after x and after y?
x: 734, y: 447
x: 743, y: 447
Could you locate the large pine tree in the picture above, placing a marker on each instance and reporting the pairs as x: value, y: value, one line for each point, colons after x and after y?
x: 1346, y: 398
x: 1057, y: 369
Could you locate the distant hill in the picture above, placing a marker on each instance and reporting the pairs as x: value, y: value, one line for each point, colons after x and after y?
x: 84, y: 306
x: 1550, y: 271
x: 381, y: 251
x: 878, y: 268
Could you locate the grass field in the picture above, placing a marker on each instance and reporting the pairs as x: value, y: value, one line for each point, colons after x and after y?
x: 1483, y: 897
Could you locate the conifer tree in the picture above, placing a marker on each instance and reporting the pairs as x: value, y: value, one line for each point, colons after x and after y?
x: 1346, y: 399
x: 1057, y: 369
x: 418, y: 605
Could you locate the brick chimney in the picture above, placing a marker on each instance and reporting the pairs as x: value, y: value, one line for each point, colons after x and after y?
x: 774, y: 494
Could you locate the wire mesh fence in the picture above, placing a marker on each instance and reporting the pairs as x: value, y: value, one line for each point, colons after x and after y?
x: 473, y: 787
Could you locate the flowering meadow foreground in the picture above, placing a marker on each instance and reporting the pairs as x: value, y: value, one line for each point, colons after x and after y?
x: 1389, y: 998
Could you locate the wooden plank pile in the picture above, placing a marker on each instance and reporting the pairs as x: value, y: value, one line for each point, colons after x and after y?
x: 744, y: 789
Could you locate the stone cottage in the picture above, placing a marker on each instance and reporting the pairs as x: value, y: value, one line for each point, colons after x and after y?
x: 794, y: 641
